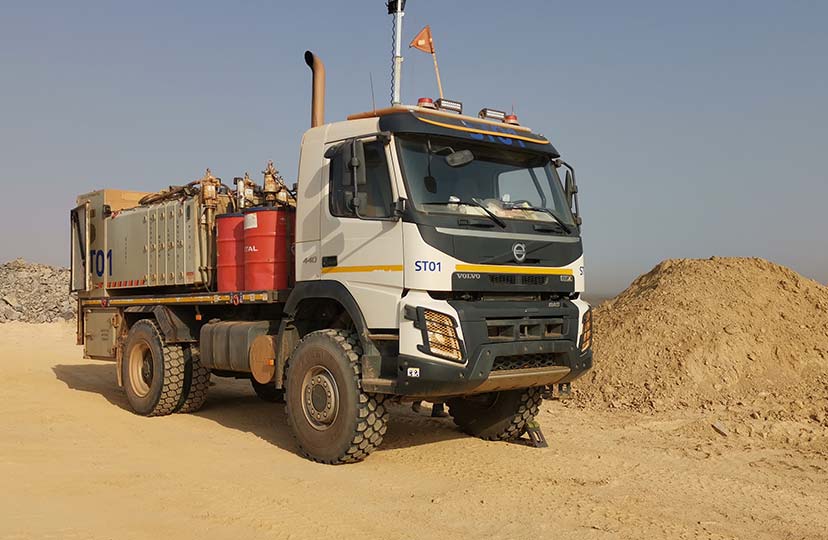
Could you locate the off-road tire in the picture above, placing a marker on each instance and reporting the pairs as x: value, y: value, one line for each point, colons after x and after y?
x: 498, y: 415
x: 360, y: 421
x: 268, y: 392
x: 196, y: 382
x: 164, y: 392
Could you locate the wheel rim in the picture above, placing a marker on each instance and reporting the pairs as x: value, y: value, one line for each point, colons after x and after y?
x: 141, y: 371
x: 320, y: 397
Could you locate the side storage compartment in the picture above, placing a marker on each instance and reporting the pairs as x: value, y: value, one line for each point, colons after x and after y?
x: 155, y: 245
x: 101, y: 333
x: 225, y: 345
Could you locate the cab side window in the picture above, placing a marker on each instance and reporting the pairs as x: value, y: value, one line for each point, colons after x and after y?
x: 375, y: 197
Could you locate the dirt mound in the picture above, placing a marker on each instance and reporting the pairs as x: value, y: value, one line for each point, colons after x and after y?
x: 723, y: 331
x: 35, y: 293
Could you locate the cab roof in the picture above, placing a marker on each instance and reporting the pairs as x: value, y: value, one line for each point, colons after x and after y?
x: 409, y: 119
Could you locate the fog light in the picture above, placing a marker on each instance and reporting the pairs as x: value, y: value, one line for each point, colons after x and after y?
x: 440, y: 336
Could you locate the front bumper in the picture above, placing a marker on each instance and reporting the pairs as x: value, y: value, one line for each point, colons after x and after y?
x: 443, y: 379
x: 494, y: 363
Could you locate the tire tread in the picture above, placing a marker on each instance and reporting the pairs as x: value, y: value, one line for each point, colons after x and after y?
x: 172, y: 382
x: 195, y: 394
x: 371, y: 410
x: 527, y: 408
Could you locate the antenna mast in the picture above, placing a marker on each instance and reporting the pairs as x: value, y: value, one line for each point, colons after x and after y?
x: 395, y: 8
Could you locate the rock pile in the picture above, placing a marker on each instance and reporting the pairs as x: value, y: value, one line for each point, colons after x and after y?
x: 35, y: 293
x: 702, y: 333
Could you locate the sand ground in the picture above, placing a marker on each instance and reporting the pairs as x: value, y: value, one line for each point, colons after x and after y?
x: 75, y: 463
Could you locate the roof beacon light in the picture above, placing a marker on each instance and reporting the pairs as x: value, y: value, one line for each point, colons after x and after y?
x: 426, y: 103
x: 449, y: 105
x: 511, y: 119
x: 492, y: 114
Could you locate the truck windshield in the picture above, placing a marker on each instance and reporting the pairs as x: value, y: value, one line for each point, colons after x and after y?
x: 509, y: 183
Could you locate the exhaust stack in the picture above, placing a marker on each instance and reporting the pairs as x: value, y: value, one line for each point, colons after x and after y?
x: 318, y: 96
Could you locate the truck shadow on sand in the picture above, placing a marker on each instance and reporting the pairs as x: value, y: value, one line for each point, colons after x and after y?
x: 233, y: 404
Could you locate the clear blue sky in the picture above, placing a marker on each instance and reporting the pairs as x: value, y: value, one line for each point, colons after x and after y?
x: 697, y: 128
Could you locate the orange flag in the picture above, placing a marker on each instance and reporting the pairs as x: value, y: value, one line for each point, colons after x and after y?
x: 423, y: 41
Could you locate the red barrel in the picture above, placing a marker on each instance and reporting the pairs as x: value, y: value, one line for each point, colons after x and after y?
x: 230, y: 252
x: 268, y: 236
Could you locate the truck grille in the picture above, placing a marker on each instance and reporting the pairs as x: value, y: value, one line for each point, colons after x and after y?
x: 525, y: 361
x: 513, y: 279
x: 516, y: 329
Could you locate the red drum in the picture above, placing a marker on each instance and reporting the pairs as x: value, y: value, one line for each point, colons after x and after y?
x: 268, y: 238
x: 230, y: 252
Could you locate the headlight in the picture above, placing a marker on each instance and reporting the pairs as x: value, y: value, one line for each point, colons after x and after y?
x: 440, y: 335
x: 586, y: 330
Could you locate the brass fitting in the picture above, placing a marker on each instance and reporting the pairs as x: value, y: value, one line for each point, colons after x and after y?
x: 209, y: 189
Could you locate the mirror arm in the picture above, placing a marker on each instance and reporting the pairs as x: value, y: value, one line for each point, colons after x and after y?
x: 400, y: 206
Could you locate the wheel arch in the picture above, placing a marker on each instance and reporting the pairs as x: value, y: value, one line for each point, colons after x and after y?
x: 324, y: 302
x: 176, y: 325
x: 319, y: 305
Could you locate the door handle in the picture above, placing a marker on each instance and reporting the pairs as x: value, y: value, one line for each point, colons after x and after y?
x: 329, y: 261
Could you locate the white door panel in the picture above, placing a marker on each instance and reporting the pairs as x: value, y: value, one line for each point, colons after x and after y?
x: 364, y: 253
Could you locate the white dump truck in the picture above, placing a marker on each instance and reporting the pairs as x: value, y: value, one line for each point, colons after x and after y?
x: 422, y: 254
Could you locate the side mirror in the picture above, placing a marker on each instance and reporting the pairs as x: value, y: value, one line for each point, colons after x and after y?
x: 459, y: 158
x: 354, y: 158
x: 357, y: 163
x: 571, y: 188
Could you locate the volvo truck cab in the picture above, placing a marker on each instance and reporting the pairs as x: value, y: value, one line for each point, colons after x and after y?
x: 456, y: 236
x: 454, y: 245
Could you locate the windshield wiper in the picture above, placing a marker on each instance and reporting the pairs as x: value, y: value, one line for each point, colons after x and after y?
x: 474, y: 202
x: 546, y: 210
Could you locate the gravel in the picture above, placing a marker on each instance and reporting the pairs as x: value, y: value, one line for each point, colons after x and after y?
x: 35, y: 293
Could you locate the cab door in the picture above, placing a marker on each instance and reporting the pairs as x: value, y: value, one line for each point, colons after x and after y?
x: 361, y: 243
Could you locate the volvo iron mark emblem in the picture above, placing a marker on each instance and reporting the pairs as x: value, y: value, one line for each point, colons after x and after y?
x: 519, y: 251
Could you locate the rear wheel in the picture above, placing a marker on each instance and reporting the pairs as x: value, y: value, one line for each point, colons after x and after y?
x: 268, y: 392
x: 496, y: 415
x: 153, y: 372
x: 196, y: 382
x: 333, y: 420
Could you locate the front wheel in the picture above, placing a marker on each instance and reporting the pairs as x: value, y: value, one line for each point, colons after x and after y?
x: 333, y: 420
x: 496, y: 415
